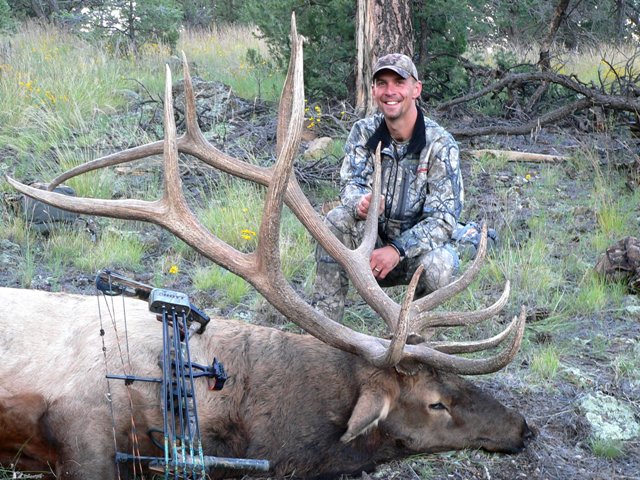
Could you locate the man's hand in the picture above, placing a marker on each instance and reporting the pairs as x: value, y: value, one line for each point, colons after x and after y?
x: 364, y: 203
x: 383, y: 260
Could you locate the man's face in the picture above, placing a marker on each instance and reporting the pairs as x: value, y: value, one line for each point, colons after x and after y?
x: 394, y: 95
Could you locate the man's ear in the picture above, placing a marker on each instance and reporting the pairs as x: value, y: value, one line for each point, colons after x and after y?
x: 418, y: 90
x: 371, y: 407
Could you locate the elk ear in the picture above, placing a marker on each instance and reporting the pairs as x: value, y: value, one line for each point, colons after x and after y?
x: 370, y: 408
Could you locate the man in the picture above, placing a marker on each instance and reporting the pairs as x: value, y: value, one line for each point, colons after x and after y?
x: 421, y: 187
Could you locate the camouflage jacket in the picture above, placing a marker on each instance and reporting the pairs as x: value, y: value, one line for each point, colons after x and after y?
x: 421, y: 182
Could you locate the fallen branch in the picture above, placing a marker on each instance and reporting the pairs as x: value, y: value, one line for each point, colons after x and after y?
x: 513, y: 156
x: 587, y: 97
x: 526, y: 128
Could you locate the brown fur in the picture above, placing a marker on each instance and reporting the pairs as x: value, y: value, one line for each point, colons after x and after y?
x: 25, y: 442
x: 309, y: 409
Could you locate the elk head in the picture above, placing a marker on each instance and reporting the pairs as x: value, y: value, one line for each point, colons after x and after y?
x: 261, y: 268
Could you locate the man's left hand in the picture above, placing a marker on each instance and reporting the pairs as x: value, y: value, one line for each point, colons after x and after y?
x: 383, y: 260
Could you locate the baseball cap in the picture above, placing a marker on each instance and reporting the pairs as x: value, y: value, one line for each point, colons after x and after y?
x: 397, y: 62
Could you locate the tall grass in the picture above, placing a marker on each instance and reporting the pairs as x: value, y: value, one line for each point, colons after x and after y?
x: 234, y: 55
x: 53, y: 85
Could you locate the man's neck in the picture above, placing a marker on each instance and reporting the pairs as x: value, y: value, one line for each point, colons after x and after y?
x: 401, y: 129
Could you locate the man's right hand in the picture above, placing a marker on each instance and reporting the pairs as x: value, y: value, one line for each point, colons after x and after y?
x: 365, y: 202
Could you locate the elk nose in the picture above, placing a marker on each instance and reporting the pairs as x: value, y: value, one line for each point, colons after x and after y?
x: 527, y: 434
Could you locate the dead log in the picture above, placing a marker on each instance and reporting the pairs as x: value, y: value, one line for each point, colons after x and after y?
x: 514, y: 156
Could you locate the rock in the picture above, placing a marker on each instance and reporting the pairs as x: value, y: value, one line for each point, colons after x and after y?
x: 317, y: 148
x: 42, y: 217
x: 621, y: 263
x: 610, y: 419
x: 9, y: 254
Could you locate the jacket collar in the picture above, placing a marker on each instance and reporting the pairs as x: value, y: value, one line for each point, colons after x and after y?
x: 416, y: 144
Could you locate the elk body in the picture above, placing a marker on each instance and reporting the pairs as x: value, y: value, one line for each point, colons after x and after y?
x: 309, y: 408
x: 313, y: 405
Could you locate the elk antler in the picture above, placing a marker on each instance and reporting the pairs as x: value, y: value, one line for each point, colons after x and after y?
x: 261, y: 268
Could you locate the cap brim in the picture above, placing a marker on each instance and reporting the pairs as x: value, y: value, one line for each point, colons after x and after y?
x: 400, y: 71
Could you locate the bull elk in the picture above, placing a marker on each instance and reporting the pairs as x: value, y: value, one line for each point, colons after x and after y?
x: 335, y: 401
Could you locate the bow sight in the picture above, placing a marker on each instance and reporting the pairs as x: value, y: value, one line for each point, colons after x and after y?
x: 183, y: 451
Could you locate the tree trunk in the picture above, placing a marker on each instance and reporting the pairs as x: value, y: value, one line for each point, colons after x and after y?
x: 620, y: 19
x: 38, y: 9
x: 544, y: 61
x: 425, y: 33
x: 381, y: 27
x: 554, y: 25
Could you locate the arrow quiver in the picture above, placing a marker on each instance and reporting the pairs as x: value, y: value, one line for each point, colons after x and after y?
x: 181, y: 441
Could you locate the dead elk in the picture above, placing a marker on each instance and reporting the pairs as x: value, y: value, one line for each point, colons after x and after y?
x: 308, y: 408
x: 331, y: 402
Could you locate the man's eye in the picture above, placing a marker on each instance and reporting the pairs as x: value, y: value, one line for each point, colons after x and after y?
x: 437, y: 406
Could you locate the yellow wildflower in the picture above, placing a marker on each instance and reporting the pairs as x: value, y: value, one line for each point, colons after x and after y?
x: 174, y: 270
x: 247, y: 234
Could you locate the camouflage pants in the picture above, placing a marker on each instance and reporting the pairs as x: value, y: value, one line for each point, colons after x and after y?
x: 332, y: 284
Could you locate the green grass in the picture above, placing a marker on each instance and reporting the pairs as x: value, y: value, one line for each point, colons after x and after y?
x: 606, y: 448
x: 545, y: 363
x: 230, y: 288
x: 114, y: 249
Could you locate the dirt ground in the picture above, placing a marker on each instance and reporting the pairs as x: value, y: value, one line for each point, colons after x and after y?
x: 561, y: 450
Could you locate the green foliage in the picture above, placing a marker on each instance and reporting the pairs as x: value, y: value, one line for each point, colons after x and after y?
x: 6, y: 22
x: 198, y: 14
x: 223, y: 54
x: 329, y: 28
x: 113, y: 250
x: 595, y: 293
x: 159, y: 20
x: 125, y: 24
x: 54, y: 86
x: 259, y: 67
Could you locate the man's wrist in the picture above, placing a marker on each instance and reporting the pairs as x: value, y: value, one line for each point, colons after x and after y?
x: 398, y: 249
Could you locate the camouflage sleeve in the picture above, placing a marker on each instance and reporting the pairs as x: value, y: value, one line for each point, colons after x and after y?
x: 356, y: 173
x: 443, y: 202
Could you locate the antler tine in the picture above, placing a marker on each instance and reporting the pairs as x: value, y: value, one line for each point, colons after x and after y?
x: 474, y: 345
x: 172, y: 179
x: 473, y: 366
x: 129, y: 155
x: 371, y: 223
x: 396, y: 348
x: 431, y: 301
x: 455, y: 319
x: 291, y: 112
x: 193, y: 132
x: 285, y: 104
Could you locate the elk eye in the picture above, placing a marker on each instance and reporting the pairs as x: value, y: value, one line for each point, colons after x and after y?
x: 437, y: 406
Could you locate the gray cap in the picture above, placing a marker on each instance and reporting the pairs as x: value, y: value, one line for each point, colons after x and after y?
x: 397, y: 62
